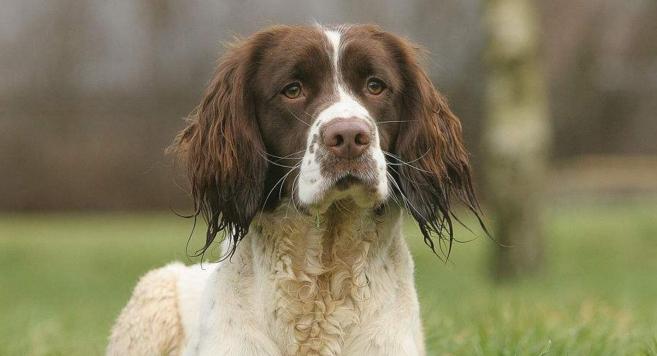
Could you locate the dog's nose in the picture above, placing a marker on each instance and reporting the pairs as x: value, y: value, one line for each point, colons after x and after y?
x: 347, y: 138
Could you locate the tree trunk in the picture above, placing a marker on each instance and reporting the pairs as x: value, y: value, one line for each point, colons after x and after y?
x: 516, y: 135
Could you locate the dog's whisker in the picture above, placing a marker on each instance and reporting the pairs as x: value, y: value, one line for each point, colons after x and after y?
x: 281, y: 181
x: 392, y: 121
x: 297, y: 118
x: 274, y: 163
x: 402, y: 163
x: 408, y: 162
x: 280, y: 189
x: 290, y: 156
x: 294, y: 188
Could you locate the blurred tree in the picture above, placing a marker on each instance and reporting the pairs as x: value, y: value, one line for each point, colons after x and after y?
x: 516, y: 135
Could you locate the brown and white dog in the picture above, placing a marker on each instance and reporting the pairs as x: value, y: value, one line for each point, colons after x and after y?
x: 308, y: 144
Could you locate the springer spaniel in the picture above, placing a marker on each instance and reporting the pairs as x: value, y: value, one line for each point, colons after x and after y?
x: 307, y: 146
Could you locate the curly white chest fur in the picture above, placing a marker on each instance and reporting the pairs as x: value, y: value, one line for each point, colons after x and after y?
x: 313, y: 288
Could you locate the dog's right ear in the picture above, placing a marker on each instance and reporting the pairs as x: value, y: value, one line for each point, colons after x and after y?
x: 222, y: 149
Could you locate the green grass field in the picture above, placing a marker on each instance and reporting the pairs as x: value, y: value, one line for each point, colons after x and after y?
x: 64, y: 278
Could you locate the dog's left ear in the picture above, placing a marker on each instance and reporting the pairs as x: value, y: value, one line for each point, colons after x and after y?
x: 434, y: 165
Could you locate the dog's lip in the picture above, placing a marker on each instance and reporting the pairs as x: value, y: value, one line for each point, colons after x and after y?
x: 347, y: 181
x: 358, y: 185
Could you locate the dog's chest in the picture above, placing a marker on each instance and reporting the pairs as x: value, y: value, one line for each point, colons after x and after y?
x: 321, y: 283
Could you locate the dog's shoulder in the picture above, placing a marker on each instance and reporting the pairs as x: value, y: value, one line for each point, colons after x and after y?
x: 191, y: 283
x: 162, y: 309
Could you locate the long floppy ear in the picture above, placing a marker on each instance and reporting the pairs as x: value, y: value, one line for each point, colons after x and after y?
x: 222, y: 146
x: 434, y: 164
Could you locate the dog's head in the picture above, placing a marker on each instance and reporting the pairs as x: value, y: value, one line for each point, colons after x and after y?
x: 319, y: 115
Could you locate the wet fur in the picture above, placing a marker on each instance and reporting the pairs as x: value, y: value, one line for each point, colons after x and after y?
x: 334, y: 279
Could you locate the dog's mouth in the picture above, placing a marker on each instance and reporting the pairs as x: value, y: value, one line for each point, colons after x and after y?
x: 362, y: 179
x: 358, y: 186
x: 367, y: 180
x: 347, y: 181
x: 343, y: 172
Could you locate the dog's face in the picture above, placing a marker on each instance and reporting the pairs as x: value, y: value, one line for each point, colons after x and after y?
x: 313, y: 116
x: 327, y: 101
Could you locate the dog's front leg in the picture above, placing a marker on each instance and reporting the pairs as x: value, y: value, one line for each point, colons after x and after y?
x: 241, y: 340
x: 393, y: 332
x: 391, y: 343
x: 228, y: 323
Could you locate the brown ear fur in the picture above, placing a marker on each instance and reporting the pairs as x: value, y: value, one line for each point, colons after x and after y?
x: 222, y: 148
x: 434, y: 164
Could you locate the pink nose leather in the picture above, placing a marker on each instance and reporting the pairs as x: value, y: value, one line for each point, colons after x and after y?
x: 347, y: 138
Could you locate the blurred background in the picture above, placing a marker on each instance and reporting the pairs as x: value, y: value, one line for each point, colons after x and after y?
x: 557, y: 100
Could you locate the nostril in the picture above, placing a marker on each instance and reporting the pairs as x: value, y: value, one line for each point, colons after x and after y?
x: 332, y: 139
x: 339, y: 140
x: 362, y: 138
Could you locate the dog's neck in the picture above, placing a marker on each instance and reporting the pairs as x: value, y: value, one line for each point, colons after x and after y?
x: 320, y: 267
x: 316, y: 242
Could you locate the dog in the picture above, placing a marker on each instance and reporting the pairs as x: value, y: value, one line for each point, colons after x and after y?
x: 308, y: 145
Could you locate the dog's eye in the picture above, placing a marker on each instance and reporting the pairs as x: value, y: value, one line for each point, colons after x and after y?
x: 375, y: 86
x: 292, y: 90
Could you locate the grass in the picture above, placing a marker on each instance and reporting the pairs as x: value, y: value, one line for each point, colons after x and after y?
x: 64, y: 278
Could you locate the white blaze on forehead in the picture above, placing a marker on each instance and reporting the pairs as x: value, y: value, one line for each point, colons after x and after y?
x: 334, y: 40
x: 347, y: 105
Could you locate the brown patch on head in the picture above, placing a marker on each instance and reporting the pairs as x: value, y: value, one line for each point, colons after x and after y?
x: 299, y: 55
x: 366, y: 55
x: 414, y: 124
x: 429, y: 136
x: 243, y: 123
